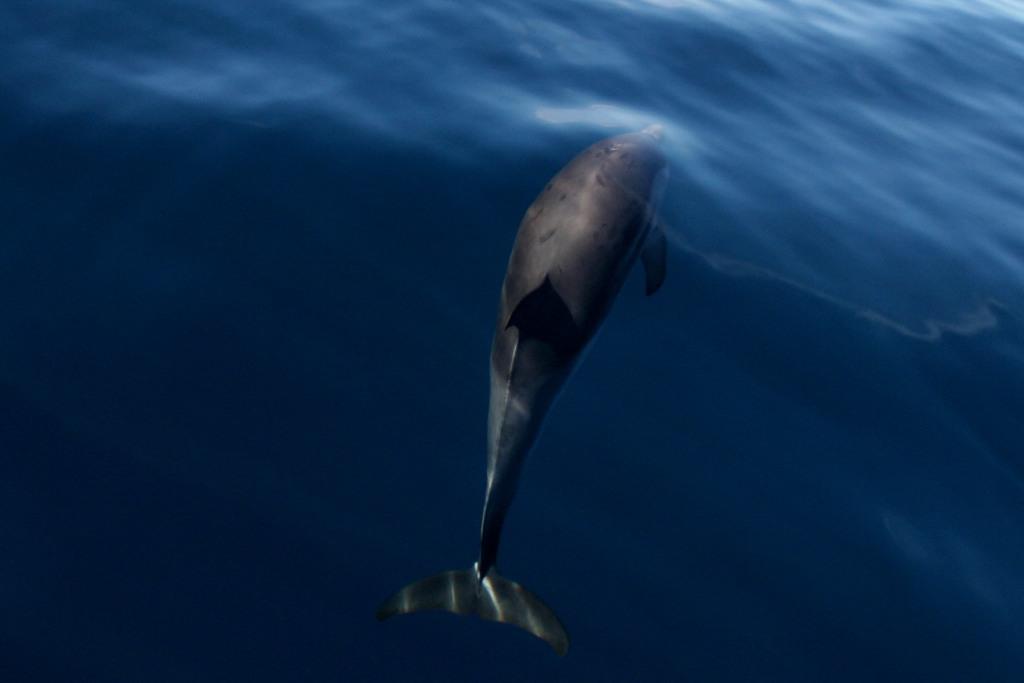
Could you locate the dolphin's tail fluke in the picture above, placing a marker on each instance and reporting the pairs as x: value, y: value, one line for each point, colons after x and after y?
x: 494, y: 598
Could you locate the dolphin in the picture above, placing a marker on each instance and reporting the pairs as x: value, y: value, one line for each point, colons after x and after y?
x: 575, y: 246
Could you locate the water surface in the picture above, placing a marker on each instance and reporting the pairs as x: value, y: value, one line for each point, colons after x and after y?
x: 249, y: 267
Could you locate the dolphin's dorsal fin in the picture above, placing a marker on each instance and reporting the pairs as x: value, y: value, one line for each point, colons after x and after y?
x: 654, y: 256
x: 543, y: 315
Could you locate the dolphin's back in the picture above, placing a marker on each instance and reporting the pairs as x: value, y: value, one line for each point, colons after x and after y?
x: 584, y: 229
x: 575, y: 245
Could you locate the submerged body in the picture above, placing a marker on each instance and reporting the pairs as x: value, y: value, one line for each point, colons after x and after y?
x: 575, y: 247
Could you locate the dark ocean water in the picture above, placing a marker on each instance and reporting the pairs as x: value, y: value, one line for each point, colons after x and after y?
x: 250, y: 255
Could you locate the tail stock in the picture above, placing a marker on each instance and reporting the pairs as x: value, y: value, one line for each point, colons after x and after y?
x: 494, y: 598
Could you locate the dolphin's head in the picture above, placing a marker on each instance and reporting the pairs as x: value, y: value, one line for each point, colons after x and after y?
x: 636, y: 162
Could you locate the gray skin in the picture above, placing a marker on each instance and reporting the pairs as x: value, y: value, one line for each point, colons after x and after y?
x: 575, y: 246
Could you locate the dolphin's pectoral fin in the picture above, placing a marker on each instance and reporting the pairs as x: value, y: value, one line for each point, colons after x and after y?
x: 543, y: 315
x: 654, y: 257
x: 494, y: 598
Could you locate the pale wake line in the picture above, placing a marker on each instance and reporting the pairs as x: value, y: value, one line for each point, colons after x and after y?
x: 967, y: 324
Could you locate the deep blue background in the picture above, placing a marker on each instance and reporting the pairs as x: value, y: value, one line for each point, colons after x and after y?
x: 250, y: 256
